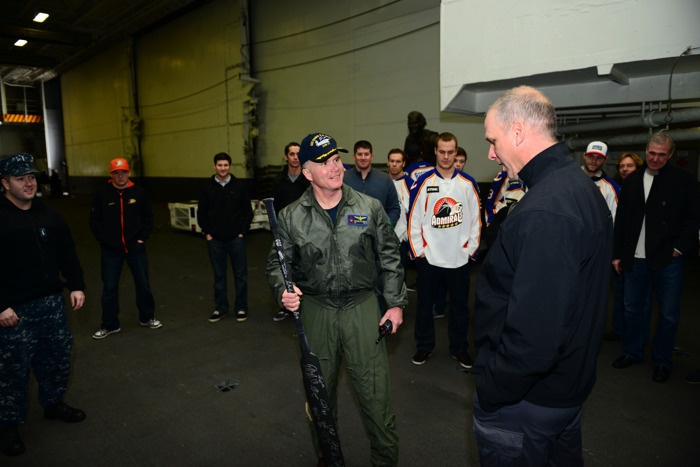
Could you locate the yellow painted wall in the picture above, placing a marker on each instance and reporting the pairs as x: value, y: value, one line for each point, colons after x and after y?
x: 352, y: 69
x: 95, y: 99
x: 191, y: 99
x: 189, y: 94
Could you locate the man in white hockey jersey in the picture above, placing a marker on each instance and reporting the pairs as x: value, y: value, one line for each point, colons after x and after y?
x: 593, y: 160
x: 444, y: 225
x: 396, y: 162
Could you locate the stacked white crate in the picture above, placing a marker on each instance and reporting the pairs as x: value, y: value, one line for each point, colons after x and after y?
x: 183, y: 216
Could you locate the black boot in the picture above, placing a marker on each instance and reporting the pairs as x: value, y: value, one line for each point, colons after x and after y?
x: 10, y: 441
x: 64, y: 412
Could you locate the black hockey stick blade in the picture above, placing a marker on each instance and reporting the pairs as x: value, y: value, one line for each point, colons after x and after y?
x: 314, y: 384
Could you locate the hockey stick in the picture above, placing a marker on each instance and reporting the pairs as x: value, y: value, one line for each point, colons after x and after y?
x: 314, y: 384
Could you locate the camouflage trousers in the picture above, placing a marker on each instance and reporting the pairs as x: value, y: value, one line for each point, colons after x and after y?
x: 40, y: 342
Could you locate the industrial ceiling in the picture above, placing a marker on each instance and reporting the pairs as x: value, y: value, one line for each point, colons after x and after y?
x: 75, y: 31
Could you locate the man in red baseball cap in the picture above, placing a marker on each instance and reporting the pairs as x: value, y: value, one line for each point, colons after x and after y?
x: 121, y: 219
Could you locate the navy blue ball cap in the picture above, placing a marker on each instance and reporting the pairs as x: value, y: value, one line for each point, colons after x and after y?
x: 17, y: 165
x: 318, y: 147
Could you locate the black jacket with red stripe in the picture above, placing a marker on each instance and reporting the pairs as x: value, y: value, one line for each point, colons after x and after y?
x: 119, y: 218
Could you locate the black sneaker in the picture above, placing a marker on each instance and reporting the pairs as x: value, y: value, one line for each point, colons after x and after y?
x: 216, y: 316
x: 282, y: 314
x: 10, y: 442
x: 421, y: 357
x: 693, y: 378
x: 64, y: 412
x: 241, y: 315
x: 661, y: 374
x: 464, y: 360
x: 624, y: 362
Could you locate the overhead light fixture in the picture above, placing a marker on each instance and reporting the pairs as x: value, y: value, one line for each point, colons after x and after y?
x: 20, y: 43
x: 41, y: 17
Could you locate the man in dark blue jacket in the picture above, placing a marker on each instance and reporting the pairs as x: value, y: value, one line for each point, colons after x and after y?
x: 541, y: 294
x: 224, y: 214
x: 121, y: 219
x: 36, y: 249
x: 657, y: 225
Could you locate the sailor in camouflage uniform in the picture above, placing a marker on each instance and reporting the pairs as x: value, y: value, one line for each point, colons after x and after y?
x: 36, y: 252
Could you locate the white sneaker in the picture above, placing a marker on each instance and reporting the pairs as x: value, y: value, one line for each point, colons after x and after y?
x: 102, y: 333
x: 152, y: 323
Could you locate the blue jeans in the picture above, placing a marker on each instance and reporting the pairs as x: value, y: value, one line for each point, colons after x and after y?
x: 619, y: 304
x: 112, y: 264
x: 432, y: 281
x: 218, y: 253
x: 667, y: 284
x: 619, y: 310
x: 526, y: 434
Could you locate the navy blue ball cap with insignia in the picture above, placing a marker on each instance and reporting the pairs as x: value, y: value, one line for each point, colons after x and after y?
x: 318, y: 147
x: 17, y: 165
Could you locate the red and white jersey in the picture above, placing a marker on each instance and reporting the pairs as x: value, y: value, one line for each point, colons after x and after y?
x: 444, y: 219
x: 609, y: 191
x: 403, y: 186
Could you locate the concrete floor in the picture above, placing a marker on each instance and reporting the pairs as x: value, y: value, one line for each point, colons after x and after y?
x: 151, y: 399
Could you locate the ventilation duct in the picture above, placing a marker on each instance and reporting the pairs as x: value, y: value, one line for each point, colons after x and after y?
x: 635, y: 139
x: 650, y: 120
